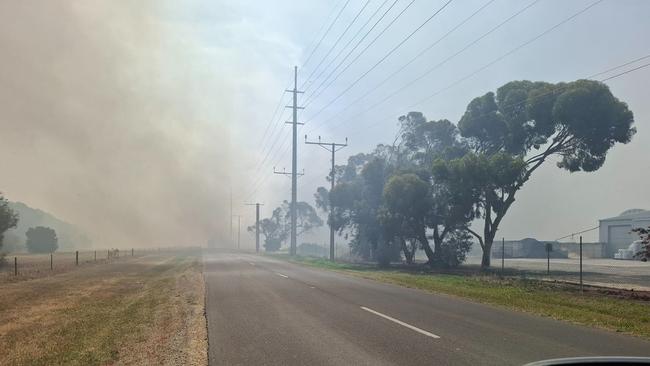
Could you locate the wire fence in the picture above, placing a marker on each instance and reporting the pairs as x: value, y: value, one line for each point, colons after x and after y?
x: 17, y: 266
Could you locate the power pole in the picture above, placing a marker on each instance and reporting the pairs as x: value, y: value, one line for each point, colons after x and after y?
x: 284, y: 172
x: 231, y: 216
x: 238, y: 228
x: 294, y: 158
x: 257, y: 224
x: 332, y: 147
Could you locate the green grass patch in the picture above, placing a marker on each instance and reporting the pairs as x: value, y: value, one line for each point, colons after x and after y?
x: 591, y: 308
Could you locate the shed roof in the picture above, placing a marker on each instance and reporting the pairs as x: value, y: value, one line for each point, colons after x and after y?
x: 631, y: 214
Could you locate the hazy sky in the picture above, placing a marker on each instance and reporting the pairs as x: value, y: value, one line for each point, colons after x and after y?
x: 135, y: 119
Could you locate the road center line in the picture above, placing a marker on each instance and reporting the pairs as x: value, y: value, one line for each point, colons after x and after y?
x: 421, y: 331
x: 281, y: 275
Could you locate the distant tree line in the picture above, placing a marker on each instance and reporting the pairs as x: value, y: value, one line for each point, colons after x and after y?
x: 644, y: 235
x: 277, y: 228
x: 40, y: 239
x: 424, y: 191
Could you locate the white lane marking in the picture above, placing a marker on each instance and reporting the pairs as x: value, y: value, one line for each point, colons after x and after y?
x: 312, y: 287
x: 281, y: 275
x: 421, y: 331
x: 251, y: 263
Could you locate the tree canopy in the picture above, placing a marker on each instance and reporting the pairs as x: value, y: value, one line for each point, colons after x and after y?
x: 276, y: 229
x: 41, y: 239
x: 436, y: 178
x: 644, y: 235
x: 8, y: 218
x: 514, y: 132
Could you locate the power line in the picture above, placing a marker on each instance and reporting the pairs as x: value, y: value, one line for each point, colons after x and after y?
x: 501, y: 57
x: 579, y: 232
x: 625, y: 72
x: 275, y: 158
x: 362, y: 52
x: 619, y: 66
x: 335, y: 43
x: 262, y: 176
x: 322, y: 26
x: 395, y: 48
x: 275, y: 112
x: 331, y: 147
x: 263, y: 141
x: 348, y: 42
x: 438, y: 65
x: 431, y: 69
x: 271, y: 153
x: 326, y: 33
x: 308, y: 98
x: 413, y: 59
x: 517, y: 48
x: 272, y: 125
x: 252, y: 186
x: 559, y: 88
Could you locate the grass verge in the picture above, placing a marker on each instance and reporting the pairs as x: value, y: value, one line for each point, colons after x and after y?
x: 594, y: 307
x: 144, y: 311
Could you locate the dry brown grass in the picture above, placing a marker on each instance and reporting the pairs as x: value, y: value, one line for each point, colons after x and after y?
x: 144, y: 311
x: 31, y: 266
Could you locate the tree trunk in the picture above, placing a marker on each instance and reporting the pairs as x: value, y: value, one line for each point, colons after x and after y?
x: 427, y: 249
x: 414, y: 248
x: 487, y: 252
x: 408, y: 254
x: 437, y: 243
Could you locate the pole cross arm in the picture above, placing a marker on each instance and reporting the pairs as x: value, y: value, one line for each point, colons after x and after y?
x: 331, y: 147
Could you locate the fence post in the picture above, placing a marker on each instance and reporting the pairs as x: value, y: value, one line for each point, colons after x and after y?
x: 131, y: 252
x: 95, y: 256
x: 15, y: 266
x: 108, y: 254
x: 76, y: 258
x: 503, y: 254
x: 548, y: 247
x: 51, y: 261
x: 580, y: 263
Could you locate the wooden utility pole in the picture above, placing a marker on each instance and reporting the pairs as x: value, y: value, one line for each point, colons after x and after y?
x: 238, y: 229
x: 332, y: 147
x: 257, y: 224
x: 294, y: 157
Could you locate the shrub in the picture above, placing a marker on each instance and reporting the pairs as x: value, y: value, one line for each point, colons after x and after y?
x: 41, y: 239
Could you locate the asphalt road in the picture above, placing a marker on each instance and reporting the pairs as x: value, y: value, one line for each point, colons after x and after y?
x: 263, y: 311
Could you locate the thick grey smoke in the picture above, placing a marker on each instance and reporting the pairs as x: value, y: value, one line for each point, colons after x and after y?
x: 111, y: 121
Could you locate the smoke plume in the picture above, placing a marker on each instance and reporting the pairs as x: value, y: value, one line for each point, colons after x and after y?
x: 111, y: 120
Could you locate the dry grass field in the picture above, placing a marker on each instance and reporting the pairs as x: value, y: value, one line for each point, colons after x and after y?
x: 145, y: 310
x: 32, y: 266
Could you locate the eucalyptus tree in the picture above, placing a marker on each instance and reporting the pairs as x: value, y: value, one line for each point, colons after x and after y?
x: 513, y: 132
x: 276, y: 228
x: 8, y: 218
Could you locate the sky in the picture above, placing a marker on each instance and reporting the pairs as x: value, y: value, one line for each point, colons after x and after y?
x: 138, y: 121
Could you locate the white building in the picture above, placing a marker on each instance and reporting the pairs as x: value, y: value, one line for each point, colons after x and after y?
x: 616, y: 232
